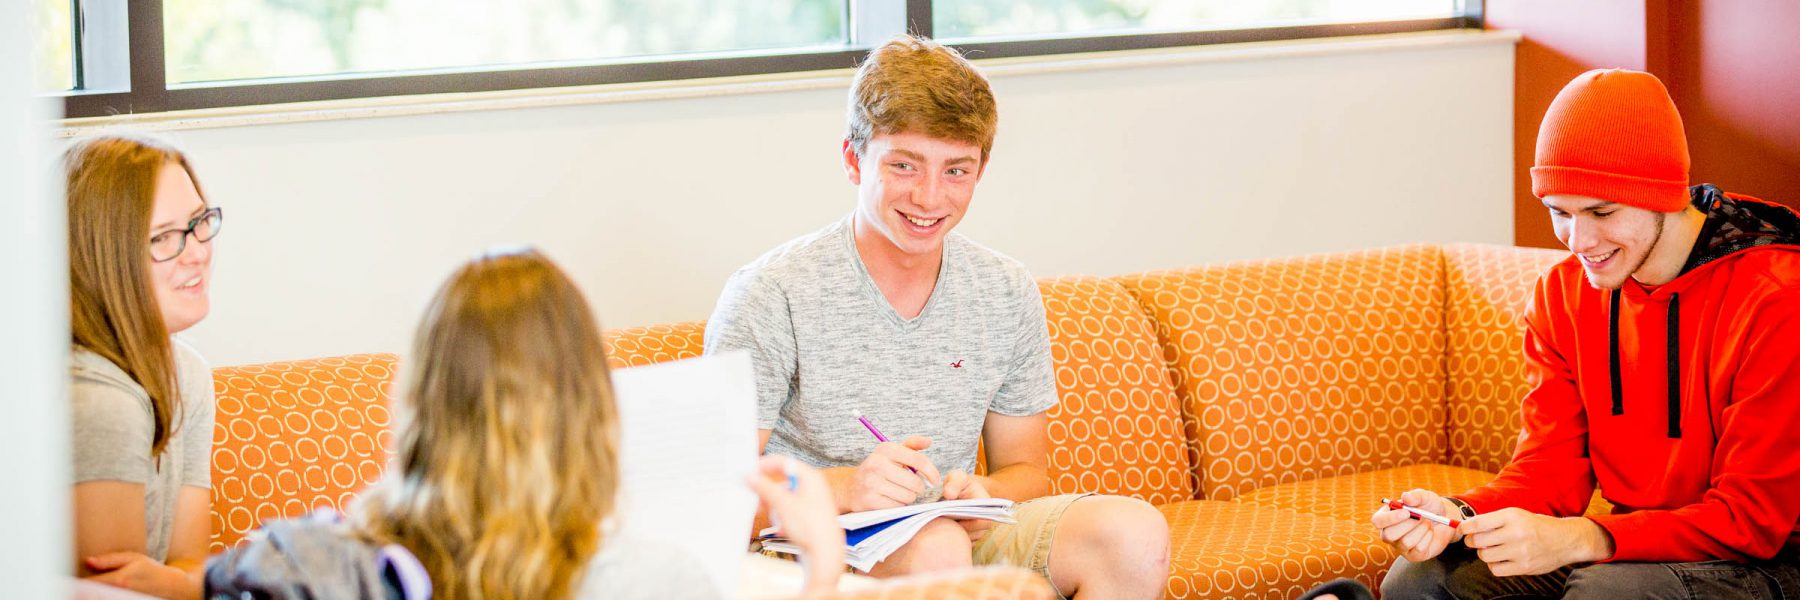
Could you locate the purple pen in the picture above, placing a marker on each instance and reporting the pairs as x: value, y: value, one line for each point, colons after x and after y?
x: 870, y: 426
x: 932, y: 492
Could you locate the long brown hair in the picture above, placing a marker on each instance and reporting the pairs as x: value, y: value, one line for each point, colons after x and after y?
x: 112, y: 309
x: 508, y: 435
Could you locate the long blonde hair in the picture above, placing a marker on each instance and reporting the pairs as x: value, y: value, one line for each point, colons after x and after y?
x: 508, y: 436
x: 112, y: 308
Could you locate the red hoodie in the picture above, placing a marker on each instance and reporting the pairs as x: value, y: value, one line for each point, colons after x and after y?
x: 1711, y: 472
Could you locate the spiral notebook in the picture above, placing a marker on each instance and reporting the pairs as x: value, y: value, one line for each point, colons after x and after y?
x: 873, y: 535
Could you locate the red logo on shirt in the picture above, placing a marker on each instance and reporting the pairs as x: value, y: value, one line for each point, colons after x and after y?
x: 957, y: 364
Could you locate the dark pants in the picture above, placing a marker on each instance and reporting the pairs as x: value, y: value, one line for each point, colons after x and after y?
x: 1461, y: 575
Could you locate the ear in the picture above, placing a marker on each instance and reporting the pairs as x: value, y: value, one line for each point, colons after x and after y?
x: 852, y: 163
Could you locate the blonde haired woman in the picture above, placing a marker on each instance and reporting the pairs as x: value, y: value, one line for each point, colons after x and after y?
x: 140, y: 265
x: 507, y: 466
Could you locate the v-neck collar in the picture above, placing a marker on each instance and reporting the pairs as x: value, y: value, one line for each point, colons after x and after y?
x: 873, y: 292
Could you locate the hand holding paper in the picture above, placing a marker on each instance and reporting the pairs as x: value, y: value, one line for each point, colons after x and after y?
x: 958, y: 486
x: 800, y: 501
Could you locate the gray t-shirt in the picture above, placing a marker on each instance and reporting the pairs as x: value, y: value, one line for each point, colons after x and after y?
x: 826, y: 343
x: 113, y: 428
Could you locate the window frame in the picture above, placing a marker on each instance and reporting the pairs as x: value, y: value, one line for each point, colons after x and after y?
x: 131, y: 79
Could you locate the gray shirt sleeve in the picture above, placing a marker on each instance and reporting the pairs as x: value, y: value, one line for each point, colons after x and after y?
x: 1030, y: 385
x: 197, y: 424
x: 752, y: 315
x: 112, y: 429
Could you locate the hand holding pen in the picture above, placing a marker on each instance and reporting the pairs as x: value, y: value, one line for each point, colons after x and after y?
x: 895, y: 474
x: 1415, y: 524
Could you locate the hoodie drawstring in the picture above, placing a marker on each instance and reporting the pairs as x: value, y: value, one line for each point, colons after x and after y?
x: 1674, y: 365
x: 1612, y: 334
x: 1673, y: 359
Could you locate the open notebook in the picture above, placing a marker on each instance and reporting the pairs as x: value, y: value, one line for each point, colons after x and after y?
x: 873, y: 535
x: 687, y: 442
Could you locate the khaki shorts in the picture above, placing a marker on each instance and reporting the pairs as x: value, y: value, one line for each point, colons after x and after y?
x: 1026, y: 543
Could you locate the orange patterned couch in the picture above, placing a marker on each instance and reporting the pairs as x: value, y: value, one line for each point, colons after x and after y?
x: 1264, y: 406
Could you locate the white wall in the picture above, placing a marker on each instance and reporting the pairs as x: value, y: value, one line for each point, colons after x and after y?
x: 338, y: 231
x: 34, y: 338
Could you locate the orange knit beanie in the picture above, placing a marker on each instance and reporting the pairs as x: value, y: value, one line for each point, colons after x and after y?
x: 1614, y: 135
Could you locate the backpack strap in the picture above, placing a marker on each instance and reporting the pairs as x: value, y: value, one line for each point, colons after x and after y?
x: 402, y: 573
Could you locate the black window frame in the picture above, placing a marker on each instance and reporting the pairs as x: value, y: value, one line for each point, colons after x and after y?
x: 146, y: 90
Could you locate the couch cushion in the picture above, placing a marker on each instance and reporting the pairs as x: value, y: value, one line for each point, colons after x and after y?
x: 638, y: 346
x: 1489, y: 289
x: 1118, y: 428
x: 1355, y: 497
x: 1300, y: 368
x: 1233, y: 550
x: 293, y: 436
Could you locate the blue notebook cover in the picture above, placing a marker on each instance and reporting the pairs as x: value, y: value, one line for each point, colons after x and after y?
x: 856, y: 536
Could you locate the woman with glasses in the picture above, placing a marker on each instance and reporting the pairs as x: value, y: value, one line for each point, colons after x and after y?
x: 140, y: 265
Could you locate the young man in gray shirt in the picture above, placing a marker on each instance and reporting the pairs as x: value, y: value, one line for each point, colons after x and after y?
x: 939, y: 341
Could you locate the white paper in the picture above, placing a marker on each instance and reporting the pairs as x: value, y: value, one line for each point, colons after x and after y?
x: 687, y: 441
x: 859, y: 520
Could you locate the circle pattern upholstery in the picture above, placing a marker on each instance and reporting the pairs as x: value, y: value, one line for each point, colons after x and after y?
x: 651, y: 344
x: 1490, y: 288
x: 1307, y: 367
x: 293, y: 436
x: 1232, y: 550
x: 1117, y: 428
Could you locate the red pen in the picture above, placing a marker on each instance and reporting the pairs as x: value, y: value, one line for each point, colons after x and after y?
x: 1419, y: 514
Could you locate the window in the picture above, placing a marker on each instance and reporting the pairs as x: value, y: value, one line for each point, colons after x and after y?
x: 53, y: 68
x: 965, y: 19
x: 218, y: 40
x: 132, y: 56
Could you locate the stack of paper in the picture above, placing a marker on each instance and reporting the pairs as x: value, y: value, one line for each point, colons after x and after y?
x: 875, y: 534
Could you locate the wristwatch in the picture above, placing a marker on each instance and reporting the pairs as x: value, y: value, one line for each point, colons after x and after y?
x: 1468, y: 512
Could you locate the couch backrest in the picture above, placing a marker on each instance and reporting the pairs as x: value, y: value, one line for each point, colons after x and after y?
x: 1118, y: 427
x: 650, y: 344
x: 1298, y: 368
x: 1489, y: 289
x: 293, y: 436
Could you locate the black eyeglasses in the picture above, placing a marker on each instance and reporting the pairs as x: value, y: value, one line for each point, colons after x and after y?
x: 167, y: 245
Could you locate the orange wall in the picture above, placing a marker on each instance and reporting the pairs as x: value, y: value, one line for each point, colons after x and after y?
x: 1727, y: 64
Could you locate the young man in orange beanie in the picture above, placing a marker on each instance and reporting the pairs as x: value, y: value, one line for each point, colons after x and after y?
x: 1664, y: 369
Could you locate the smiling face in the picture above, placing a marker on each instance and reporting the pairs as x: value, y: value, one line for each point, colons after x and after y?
x: 912, y: 189
x: 180, y: 283
x: 1612, y: 240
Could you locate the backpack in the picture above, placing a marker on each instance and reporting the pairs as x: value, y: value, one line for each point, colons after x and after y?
x: 314, y: 557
